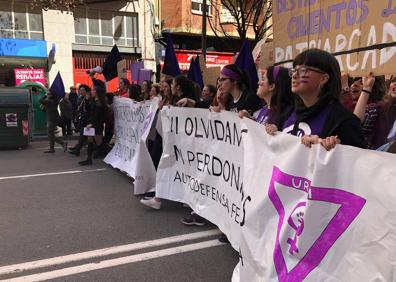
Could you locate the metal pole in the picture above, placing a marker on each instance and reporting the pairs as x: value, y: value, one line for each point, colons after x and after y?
x: 204, y: 13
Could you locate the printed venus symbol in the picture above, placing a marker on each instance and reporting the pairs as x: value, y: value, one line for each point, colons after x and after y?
x: 298, y: 227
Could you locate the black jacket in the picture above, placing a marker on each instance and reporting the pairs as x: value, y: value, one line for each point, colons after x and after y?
x: 342, y: 123
x: 51, y: 104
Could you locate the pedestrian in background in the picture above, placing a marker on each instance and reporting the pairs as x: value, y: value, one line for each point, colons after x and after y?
x: 66, y: 110
x: 96, y: 120
x: 83, y: 112
x: 50, y: 102
x: 73, y: 97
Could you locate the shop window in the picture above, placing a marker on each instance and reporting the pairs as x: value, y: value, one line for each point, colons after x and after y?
x: 225, y: 16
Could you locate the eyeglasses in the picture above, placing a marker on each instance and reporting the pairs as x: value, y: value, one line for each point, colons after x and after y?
x: 302, y: 70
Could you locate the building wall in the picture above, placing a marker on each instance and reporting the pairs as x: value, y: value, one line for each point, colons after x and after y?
x: 59, y: 30
x: 146, y: 33
x: 178, y: 17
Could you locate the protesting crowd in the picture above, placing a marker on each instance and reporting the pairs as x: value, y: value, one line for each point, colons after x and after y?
x: 289, y: 152
x: 312, y: 100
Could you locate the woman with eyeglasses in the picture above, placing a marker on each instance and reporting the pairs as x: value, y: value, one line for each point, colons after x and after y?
x: 235, y: 82
x: 275, y: 90
x: 319, y: 117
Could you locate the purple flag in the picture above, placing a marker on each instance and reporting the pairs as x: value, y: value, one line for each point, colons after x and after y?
x: 171, y: 65
x: 57, y: 87
x: 246, y: 62
x: 194, y: 72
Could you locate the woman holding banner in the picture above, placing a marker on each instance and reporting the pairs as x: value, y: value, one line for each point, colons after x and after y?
x: 221, y: 100
x: 275, y: 90
x: 319, y: 117
x: 123, y: 88
x: 181, y: 87
x: 235, y: 82
x: 166, y: 93
x: 96, y: 120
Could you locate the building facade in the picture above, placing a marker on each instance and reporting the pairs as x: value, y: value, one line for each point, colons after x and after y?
x: 72, y: 43
x: 183, y: 19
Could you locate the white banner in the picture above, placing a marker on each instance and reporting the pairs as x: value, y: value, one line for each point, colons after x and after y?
x: 201, y: 165
x: 302, y: 214
x: 132, y: 125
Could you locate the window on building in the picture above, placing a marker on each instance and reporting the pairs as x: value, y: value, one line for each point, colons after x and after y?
x: 197, y: 7
x: 225, y: 16
x: 106, y: 28
x: 17, y: 20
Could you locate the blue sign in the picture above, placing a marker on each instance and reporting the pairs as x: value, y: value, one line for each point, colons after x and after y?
x: 23, y: 48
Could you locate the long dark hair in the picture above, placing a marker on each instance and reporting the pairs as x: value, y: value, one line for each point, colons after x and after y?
x: 326, y: 62
x: 212, y: 89
x: 101, y: 95
x: 282, y: 99
x: 167, y: 98
x: 149, y: 85
x: 244, y: 82
x: 135, y: 92
x: 86, y: 87
x: 186, y: 86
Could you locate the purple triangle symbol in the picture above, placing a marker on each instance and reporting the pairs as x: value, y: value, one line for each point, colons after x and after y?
x: 350, y: 206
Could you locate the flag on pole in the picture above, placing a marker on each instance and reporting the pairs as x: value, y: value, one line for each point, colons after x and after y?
x: 194, y: 72
x: 171, y: 65
x: 246, y: 62
x: 57, y: 87
x: 110, y: 64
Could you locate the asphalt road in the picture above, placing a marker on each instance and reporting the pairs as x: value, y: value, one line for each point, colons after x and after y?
x: 57, y: 218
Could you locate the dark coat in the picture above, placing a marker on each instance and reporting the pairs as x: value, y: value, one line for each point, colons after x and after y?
x: 51, y: 104
x: 66, y: 109
x: 342, y: 123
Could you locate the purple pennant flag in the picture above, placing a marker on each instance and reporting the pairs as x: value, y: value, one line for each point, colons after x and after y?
x: 171, y: 65
x: 57, y: 87
x: 246, y: 62
x: 194, y: 72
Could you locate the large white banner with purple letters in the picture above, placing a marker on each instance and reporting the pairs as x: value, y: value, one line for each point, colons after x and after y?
x: 292, y: 213
x: 132, y: 125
